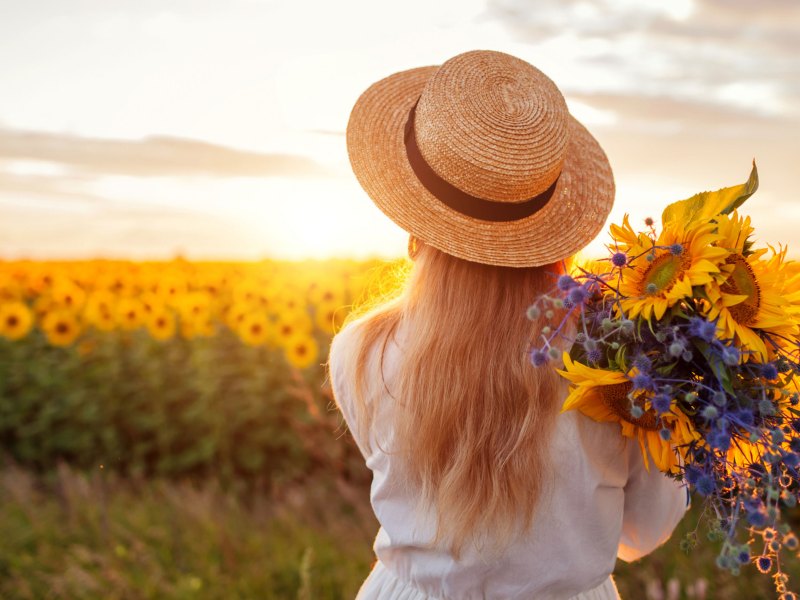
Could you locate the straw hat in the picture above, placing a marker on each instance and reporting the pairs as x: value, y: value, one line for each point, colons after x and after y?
x: 480, y: 158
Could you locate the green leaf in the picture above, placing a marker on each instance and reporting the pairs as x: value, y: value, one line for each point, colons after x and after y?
x: 619, y: 358
x: 707, y: 205
x: 718, y: 367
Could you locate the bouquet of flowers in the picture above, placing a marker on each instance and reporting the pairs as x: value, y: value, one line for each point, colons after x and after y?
x: 687, y: 335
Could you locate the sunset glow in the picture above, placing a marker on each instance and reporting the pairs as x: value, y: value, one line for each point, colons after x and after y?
x: 217, y: 130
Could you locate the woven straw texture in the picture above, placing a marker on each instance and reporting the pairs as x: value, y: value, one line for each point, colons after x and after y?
x: 496, y: 128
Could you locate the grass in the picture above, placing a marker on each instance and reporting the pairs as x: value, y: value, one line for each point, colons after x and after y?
x: 101, y: 537
x: 72, y: 535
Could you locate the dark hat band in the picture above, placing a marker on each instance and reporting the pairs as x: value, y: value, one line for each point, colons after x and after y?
x: 460, y: 201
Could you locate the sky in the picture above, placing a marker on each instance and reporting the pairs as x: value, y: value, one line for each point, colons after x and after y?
x: 150, y: 128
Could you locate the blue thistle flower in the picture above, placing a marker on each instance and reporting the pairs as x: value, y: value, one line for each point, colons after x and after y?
x: 567, y: 303
x: 765, y: 407
x: 753, y: 504
x: 757, y: 518
x: 664, y: 434
x: 677, y: 348
x: 661, y: 403
x: 743, y: 556
x: 769, y: 371
x: 703, y: 329
x: 538, y: 358
x: 651, y: 288
x: 565, y: 283
x: 578, y: 295
x: 642, y: 363
x: 777, y: 436
x: 691, y: 474
x: 533, y: 312
x: 676, y: 249
x: 705, y: 485
x: 764, y: 564
x: 730, y: 356
x: 710, y: 413
x: 642, y: 381
x: 720, y: 440
x: 720, y: 398
x: 619, y: 259
x: 594, y: 356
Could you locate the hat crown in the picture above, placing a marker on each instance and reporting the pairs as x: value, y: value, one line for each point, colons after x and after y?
x: 493, y: 126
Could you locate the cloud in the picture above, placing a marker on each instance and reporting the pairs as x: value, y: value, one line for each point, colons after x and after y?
x: 155, y: 156
x: 729, y: 53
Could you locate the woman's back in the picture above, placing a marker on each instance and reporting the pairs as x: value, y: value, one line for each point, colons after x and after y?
x: 598, y: 502
x: 482, y: 489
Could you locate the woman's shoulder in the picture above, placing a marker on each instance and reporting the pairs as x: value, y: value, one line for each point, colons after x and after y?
x: 345, y: 341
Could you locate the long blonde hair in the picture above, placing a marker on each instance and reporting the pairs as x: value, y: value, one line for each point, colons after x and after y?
x: 472, y: 418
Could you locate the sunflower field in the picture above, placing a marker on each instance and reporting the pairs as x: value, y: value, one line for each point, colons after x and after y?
x: 172, y: 368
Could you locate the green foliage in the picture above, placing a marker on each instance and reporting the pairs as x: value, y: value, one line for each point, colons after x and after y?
x: 707, y: 205
x: 104, y: 538
x: 193, y: 408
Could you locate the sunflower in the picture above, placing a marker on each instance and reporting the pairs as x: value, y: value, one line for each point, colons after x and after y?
x: 254, y: 328
x: 752, y: 296
x: 605, y: 396
x: 61, y: 327
x: 660, y: 273
x: 67, y: 294
x: 290, y: 324
x: 327, y: 291
x: 160, y: 323
x: 100, y: 309
x: 16, y: 320
x: 301, y: 351
x: 195, y: 306
x: 130, y: 313
x: 329, y: 316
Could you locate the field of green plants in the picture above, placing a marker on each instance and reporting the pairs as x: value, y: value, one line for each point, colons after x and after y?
x: 202, y: 456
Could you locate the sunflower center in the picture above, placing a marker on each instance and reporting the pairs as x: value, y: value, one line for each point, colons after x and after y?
x: 662, y: 273
x: 742, y: 282
x: 615, y: 397
x: 62, y: 328
x: 12, y: 321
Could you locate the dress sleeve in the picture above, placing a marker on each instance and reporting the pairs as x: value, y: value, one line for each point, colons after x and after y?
x: 654, y: 504
x: 342, y: 385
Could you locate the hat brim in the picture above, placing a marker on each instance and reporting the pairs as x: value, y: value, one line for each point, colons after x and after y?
x: 573, y: 216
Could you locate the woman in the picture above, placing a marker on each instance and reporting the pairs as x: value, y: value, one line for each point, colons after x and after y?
x: 482, y: 488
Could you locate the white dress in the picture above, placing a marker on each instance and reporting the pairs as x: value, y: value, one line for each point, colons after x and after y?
x: 603, y: 504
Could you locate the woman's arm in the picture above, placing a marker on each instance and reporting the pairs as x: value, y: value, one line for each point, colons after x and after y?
x: 341, y: 380
x: 654, y: 504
